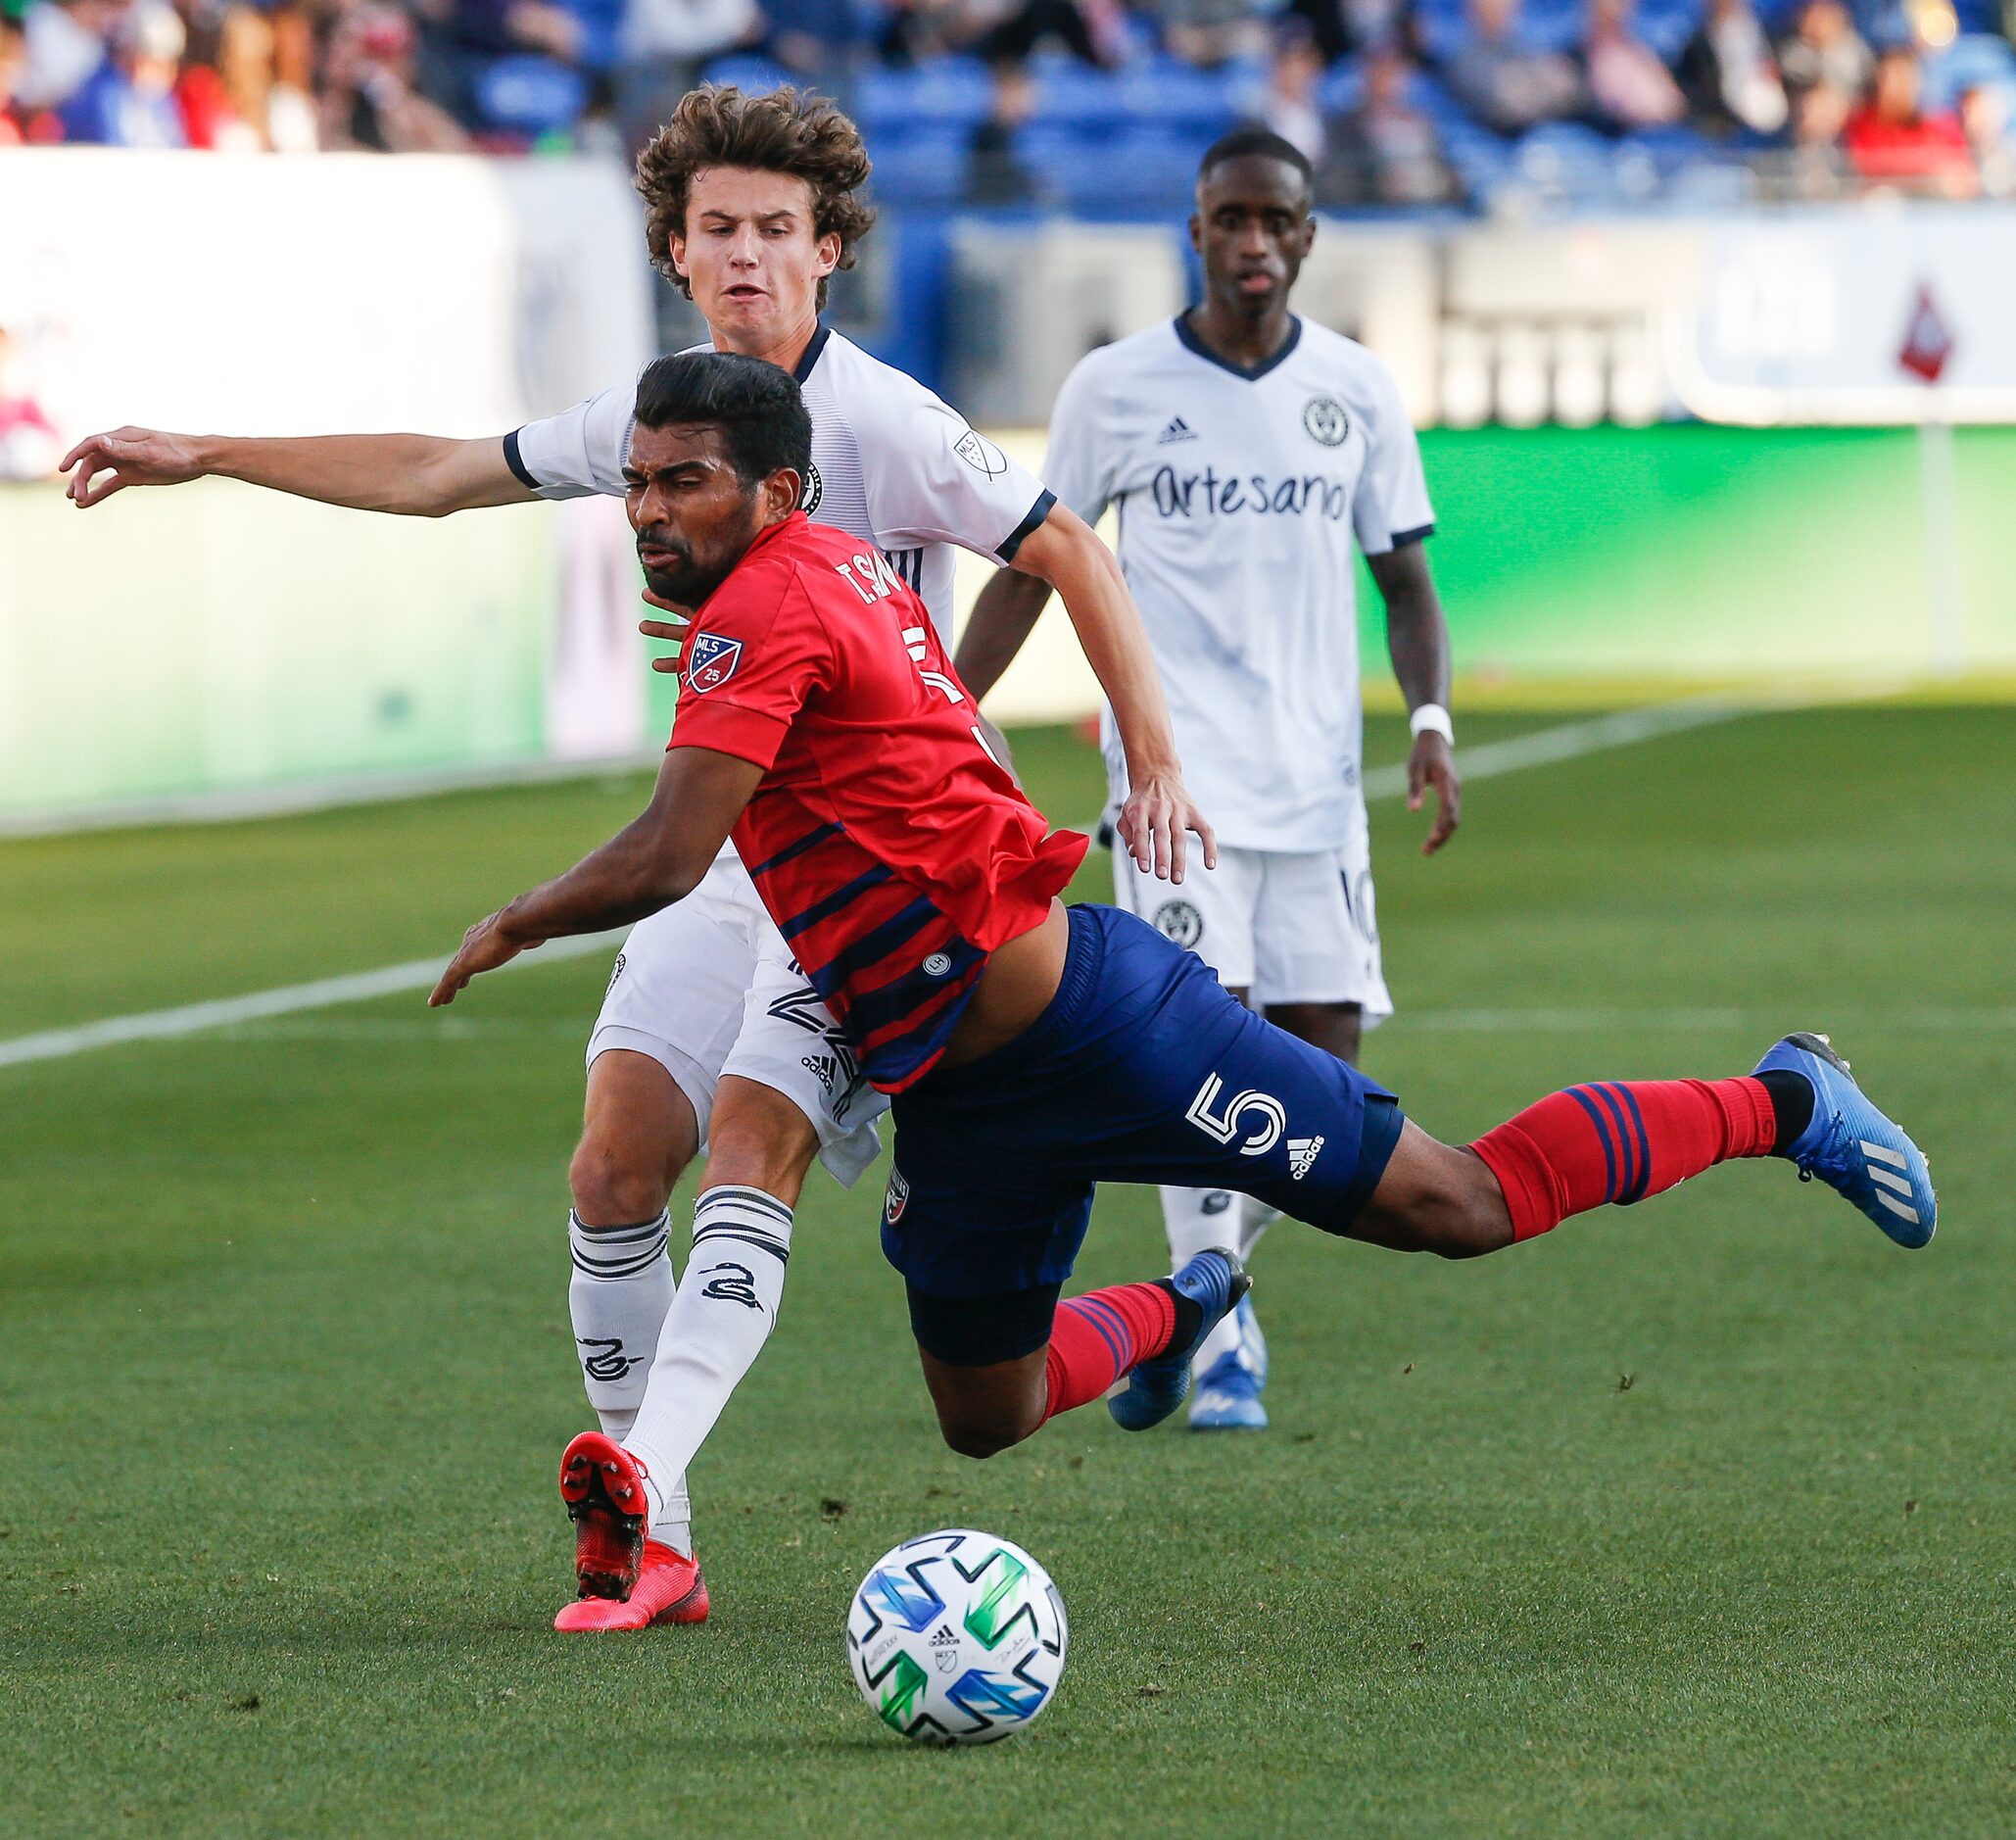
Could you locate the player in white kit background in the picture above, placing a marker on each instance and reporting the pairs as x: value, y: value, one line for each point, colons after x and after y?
x: 709, y: 1034
x: 1249, y: 453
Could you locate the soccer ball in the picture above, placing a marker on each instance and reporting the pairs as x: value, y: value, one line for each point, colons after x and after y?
x: 956, y: 1638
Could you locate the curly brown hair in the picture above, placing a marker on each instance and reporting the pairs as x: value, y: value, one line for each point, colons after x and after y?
x: 789, y: 130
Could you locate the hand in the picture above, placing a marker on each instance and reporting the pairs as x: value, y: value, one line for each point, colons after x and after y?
x: 485, y: 946
x: 1153, y: 822
x: 132, y: 457
x: 672, y: 630
x: 1432, y: 763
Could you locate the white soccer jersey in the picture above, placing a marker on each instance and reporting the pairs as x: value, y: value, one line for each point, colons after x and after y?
x: 1240, y: 493
x: 890, y: 464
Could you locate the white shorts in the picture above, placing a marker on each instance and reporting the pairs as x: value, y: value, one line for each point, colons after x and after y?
x: 1285, y: 926
x: 707, y: 987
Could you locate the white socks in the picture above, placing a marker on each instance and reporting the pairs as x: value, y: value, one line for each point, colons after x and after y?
x: 1198, y: 1219
x: 1255, y: 1218
x: 618, y: 1296
x: 723, y: 1312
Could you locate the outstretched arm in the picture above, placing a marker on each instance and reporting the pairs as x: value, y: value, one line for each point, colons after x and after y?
x: 1063, y: 554
x: 1417, y: 640
x: 653, y: 861
x: 419, y: 475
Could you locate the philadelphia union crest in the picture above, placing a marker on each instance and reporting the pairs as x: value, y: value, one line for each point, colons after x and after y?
x: 1325, y: 418
x: 815, y: 490
x: 1181, y: 922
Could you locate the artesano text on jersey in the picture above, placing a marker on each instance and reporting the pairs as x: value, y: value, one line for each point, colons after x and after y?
x: 1242, y: 494
x: 889, y: 846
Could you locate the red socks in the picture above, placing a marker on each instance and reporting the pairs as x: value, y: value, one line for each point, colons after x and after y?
x: 1620, y: 1141
x: 1097, y: 1338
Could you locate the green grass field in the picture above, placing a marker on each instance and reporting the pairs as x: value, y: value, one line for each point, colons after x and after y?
x: 1698, y: 1518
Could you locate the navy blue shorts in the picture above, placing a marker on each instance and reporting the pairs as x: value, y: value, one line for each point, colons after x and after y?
x: 1142, y: 1069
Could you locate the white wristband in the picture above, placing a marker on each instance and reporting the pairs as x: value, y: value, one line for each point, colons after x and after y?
x: 1431, y: 718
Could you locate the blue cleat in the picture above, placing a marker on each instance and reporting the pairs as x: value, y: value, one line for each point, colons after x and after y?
x: 1252, y: 1343
x: 1227, y: 1392
x: 1227, y: 1397
x: 1215, y: 1281
x: 1852, y: 1148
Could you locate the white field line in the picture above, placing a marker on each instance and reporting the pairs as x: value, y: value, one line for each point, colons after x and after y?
x: 1844, y: 1020
x: 156, y: 1025
x: 291, y: 802
x: 1567, y: 741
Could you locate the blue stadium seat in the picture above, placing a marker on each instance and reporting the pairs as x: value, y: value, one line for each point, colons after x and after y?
x: 1667, y: 24
x: 925, y: 169
x: 1345, y: 84
x: 1145, y: 168
x: 1071, y: 94
x: 1570, y: 160
x: 1672, y: 148
x: 530, y: 95
x: 1443, y: 26
x: 951, y: 90
x: 1168, y: 94
x: 1971, y: 59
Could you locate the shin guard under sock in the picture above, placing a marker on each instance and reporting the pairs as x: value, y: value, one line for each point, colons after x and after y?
x: 1619, y: 1141
x: 1097, y: 1338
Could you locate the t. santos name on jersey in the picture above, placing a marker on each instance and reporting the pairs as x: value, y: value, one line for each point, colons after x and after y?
x: 1201, y: 495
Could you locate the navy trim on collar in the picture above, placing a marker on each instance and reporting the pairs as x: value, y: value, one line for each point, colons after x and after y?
x: 803, y: 368
x: 1253, y: 374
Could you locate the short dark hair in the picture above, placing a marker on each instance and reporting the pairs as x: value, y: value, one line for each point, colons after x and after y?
x: 787, y: 131
x: 1261, y: 142
x: 756, y: 407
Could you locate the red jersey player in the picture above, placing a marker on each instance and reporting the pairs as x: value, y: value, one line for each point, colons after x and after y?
x: 1032, y: 1052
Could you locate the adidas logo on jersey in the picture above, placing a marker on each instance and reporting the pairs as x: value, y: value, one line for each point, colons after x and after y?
x: 1177, y: 430
x: 1302, y: 1155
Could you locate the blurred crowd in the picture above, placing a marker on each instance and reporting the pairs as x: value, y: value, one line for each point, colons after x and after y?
x: 1396, y: 102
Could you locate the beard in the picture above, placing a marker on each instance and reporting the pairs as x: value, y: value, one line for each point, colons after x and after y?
x: 695, y: 574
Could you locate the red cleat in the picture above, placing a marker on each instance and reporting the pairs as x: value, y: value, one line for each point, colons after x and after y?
x: 669, y: 1588
x: 603, y: 1485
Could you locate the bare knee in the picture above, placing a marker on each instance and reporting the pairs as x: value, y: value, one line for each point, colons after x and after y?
x: 1436, y: 1198
x: 1462, y: 1217
x: 981, y: 1437
x: 758, y: 1139
x: 615, y: 1180
x: 638, y: 1134
x: 985, y: 1410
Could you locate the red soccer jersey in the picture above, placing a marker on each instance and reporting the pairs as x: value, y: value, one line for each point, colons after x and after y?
x: 890, y: 848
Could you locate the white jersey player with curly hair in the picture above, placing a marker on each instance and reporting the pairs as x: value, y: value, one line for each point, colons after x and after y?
x: 709, y: 1034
